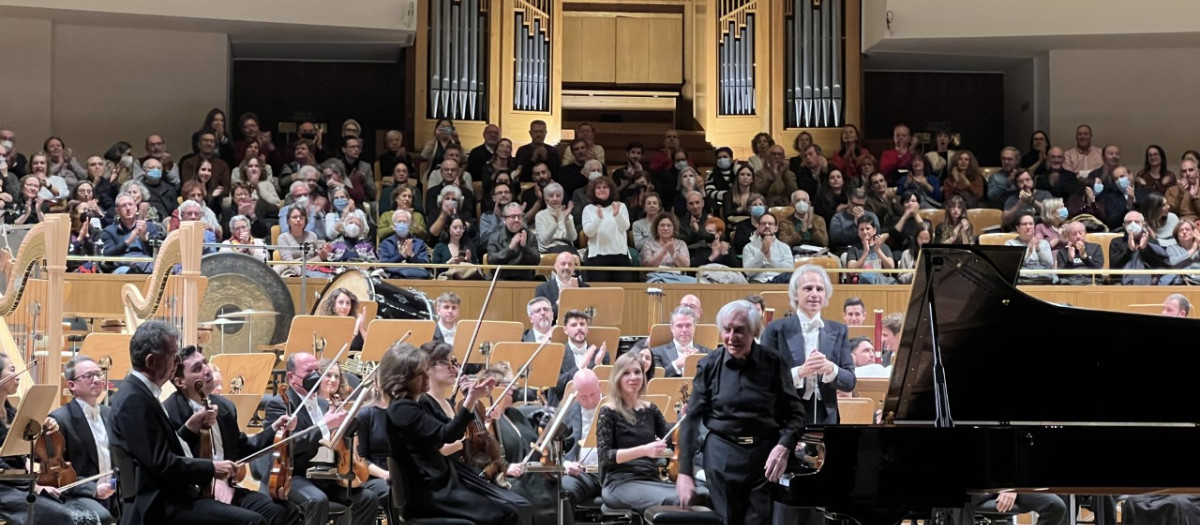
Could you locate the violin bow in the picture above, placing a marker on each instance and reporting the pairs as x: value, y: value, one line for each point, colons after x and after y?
x: 487, y: 300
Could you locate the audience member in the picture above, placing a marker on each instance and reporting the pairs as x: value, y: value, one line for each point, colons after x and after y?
x: 11, y: 181
x: 554, y: 226
x: 241, y: 241
x: 54, y: 187
x: 161, y: 195
x: 737, y: 200
x: 130, y: 236
x: 1136, y: 250
x: 848, y: 152
x: 964, y: 179
x: 765, y: 251
x: 760, y: 145
x: 119, y: 161
x: 939, y: 158
x: 832, y: 197
x: 1078, y: 254
x: 1026, y: 199
x: 843, y: 229
x: 214, y: 120
x: 587, y: 132
x: 1053, y: 215
x: 757, y: 206
x: 1060, y: 182
x: 29, y: 208
x: 901, y: 154
x: 513, y: 244
x: 632, y: 179
x: 303, y: 154
x: 454, y: 247
x: 1184, y: 197
x: 1183, y: 255
x: 872, y: 253
x: 453, y: 152
x: 956, y: 228
x: 811, y: 170
x: 257, y: 173
x: 774, y: 181
x: 450, y: 178
x: 492, y: 219
x: 666, y: 250
x: 404, y: 248
x: 908, y: 258
x: 347, y: 228
x: 580, y: 196
x: 1177, y: 305
x: 1037, y: 251
x: 691, y: 222
x: 16, y: 161
x: 889, y: 337
x: 927, y: 186
x: 1155, y: 175
x: 1004, y: 181
x: 252, y: 131
x: 1035, y: 160
x: 882, y: 200
x: 719, y: 250
x: 403, y: 199
x: 606, y: 224
x: 295, y: 234
x: 1083, y: 157
x: 1112, y: 159
x: 803, y: 226
x: 721, y: 179
x: 444, y: 135
x: 537, y: 151
x: 484, y: 152
x: 261, y: 214
x: 62, y: 162
x: 206, y: 150
x: 1159, y: 218
x: 534, y: 198
x: 396, y: 154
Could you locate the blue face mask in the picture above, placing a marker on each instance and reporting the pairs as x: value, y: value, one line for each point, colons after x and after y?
x: 681, y: 165
x: 154, y: 174
x: 1122, y: 183
x: 401, y: 229
x: 758, y: 210
x: 1063, y: 213
x: 1098, y: 187
x: 340, y: 203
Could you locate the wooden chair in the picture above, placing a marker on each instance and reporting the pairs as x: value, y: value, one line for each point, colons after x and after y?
x: 547, y: 260
x: 668, y: 386
x: 873, y: 388
x: 935, y: 217
x: 856, y: 410
x: 603, y: 372
x: 778, y: 301
x: 1104, y: 239
x: 781, y: 213
x: 996, y: 239
x: 823, y: 261
x: 983, y: 219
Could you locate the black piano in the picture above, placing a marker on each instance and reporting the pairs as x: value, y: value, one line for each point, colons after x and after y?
x: 995, y: 390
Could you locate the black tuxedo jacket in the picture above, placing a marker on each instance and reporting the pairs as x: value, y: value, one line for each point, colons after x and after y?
x: 235, y: 443
x: 549, y: 290
x: 664, y: 355
x: 306, y: 446
x: 81, y: 446
x: 163, y: 474
x: 786, y: 337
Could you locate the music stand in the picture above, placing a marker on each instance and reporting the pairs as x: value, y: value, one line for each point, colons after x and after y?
x: 247, y: 405
x: 605, y: 305
x: 383, y: 333
x: 34, y: 408
x: 543, y: 371
x: 337, y: 332
x: 255, y: 369
x: 597, y: 335
x: 489, y: 332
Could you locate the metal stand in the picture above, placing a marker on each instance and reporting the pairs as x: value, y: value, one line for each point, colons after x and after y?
x: 31, y: 432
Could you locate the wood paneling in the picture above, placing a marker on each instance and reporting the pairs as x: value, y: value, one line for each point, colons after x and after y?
x: 589, y: 48
x: 101, y: 293
x: 650, y: 50
x: 968, y: 103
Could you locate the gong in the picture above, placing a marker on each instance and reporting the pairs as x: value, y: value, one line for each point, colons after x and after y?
x: 239, y: 282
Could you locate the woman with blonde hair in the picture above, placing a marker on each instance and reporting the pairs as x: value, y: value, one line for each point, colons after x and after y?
x: 1054, y: 215
x: 630, y: 434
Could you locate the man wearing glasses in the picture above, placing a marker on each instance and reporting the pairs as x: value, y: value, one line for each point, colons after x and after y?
x: 84, y: 425
x: 513, y: 245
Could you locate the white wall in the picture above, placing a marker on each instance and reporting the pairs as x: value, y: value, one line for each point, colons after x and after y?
x: 1131, y: 98
x: 95, y: 85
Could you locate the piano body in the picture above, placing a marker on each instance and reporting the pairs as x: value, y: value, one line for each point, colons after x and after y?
x: 1029, y: 396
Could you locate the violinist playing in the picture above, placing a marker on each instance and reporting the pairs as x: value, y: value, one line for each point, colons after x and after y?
x: 313, y: 496
x: 335, y: 389
x: 84, y: 426
x: 228, y: 441
x: 49, y: 508
x: 439, y: 486
x: 517, y: 433
x: 443, y: 369
x: 373, y: 443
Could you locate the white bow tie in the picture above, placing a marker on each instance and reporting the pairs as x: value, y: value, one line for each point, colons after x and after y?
x: 92, y: 413
x: 815, y: 324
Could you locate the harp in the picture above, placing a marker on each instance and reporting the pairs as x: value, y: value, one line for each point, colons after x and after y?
x: 173, y: 291
x: 32, y: 323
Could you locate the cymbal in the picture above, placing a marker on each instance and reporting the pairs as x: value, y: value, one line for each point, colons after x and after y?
x: 220, y: 322
x: 248, y: 313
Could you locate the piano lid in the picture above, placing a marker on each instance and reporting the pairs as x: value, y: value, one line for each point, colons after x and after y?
x: 1011, y: 358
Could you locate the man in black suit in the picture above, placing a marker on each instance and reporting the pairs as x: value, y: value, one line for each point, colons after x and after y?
x: 816, y: 350
x: 579, y: 484
x: 579, y: 353
x: 84, y: 425
x: 313, y: 495
x: 671, y: 356
x: 564, y: 277
x: 541, y: 320
x: 229, y: 442
x: 164, y: 474
x: 446, y: 309
x: 1078, y: 254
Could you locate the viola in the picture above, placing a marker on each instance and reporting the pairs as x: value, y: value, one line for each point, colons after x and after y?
x: 280, y: 480
x: 206, y: 441
x: 56, y: 471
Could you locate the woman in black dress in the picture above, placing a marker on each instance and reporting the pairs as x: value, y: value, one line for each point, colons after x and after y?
x: 438, y: 486
x: 343, y: 303
x: 628, y: 429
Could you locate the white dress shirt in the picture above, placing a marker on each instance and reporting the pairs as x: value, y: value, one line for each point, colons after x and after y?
x: 580, y: 354
x: 753, y: 257
x: 679, y: 348
x: 218, y: 446
x: 99, y: 434
x: 587, y: 455
x: 811, y: 328
x: 448, y: 333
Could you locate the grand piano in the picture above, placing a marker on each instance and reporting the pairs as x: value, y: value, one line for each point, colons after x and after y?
x: 995, y: 390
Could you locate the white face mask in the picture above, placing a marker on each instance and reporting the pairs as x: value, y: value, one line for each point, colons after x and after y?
x: 593, y: 175
x: 127, y: 161
x: 724, y: 163
x: 7, y: 144
x: 801, y: 207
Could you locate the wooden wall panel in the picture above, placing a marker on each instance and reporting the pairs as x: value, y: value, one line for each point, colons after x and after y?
x: 589, y: 48
x: 650, y: 49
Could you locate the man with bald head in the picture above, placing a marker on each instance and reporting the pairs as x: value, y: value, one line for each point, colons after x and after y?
x: 580, y: 485
x: 1176, y: 305
x: 1136, y: 250
x: 693, y: 302
x: 564, y: 277
x: 1058, y: 180
x: 803, y: 226
x: 478, y: 158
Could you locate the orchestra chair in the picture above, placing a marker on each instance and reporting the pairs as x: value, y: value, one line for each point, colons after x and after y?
x: 856, y: 410
x: 873, y: 388
x: 705, y: 335
x: 690, y: 364
x: 664, y: 405
x: 596, y: 508
x: 603, y: 372
x: 984, y: 219
x: 669, y: 386
x: 676, y: 515
x: 934, y: 216
x: 399, y: 500
x: 995, y: 239
x: 1104, y: 239
x: 987, y: 514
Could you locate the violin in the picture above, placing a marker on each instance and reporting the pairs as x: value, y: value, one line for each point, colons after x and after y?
x: 56, y: 471
x: 280, y: 480
x: 671, y: 472
x: 206, y: 441
x: 482, y: 448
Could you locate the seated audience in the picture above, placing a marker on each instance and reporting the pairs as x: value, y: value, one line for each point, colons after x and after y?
x: 130, y: 236
x: 1083, y: 157
x: 499, y: 161
x: 450, y: 178
x: 691, y: 223
x: 746, y: 228
x: 513, y: 244
x: 348, y: 228
x: 964, y: 179
x: 84, y: 238
x: 401, y: 176
x: 1053, y: 215
x: 1004, y: 181
x: 765, y: 251
x: 803, y: 226
x: 927, y: 186
x: 304, y: 153
x: 899, y: 156
x: 193, y: 190
x: 396, y: 154
x: 1037, y: 251
x: 845, y: 160
x: 956, y: 228
x: 206, y: 151
x: 843, y: 230
x: 454, y: 247
x: 606, y: 224
x: 832, y: 197
x: 721, y: 179
x: 359, y: 171
x: 450, y: 202
x: 1159, y: 218
x: 737, y: 201
x: 161, y: 195
x: 718, y: 251
x: 564, y: 277
x: 1137, y: 250
x: 586, y: 132
x: 53, y: 187
x: 403, y: 199
x: 554, y: 225
x: 810, y: 168
x: 1026, y: 199
x: 257, y: 173
x: 453, y: 153
x: 444, y: 136
x: 61, y: 162
x: 1155, y: 175
x: 881, y: 199
x: 138, y: 191
x: 854, y: 312
x: 1184, y: 197
x: 491, y: 220
x: 1035, y: 160
x: 908, y: 259
x: 761, y: 145
x: 1077, y: 254
x: 246, y: 203
x: 28, y: 207
x: 405, y: 248
x: 906, y: 223
x: 872, y: 253
x: 240, y: 240
x: 665, y: 250
x: 1057, y: 180
x: 119, y: 162
x: 334, y: 174
x: 295, y: 234
x: 774, y: 181
x: 1183, y: 255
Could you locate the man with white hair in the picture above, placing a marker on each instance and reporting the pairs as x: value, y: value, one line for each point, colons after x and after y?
x: 1176, y: 305
x: 672, y: 355
x: 816, y: 350
x: 541, y: 320
x: 301, y: 191
x: 402, y: 247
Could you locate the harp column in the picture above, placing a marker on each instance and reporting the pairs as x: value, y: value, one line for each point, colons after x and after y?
x: 457, y: 68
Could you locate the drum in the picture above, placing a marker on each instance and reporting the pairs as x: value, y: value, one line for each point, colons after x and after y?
x: 394, y: 302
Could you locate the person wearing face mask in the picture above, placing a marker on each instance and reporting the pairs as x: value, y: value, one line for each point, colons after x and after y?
x: 17, y: 163
x: 1106, y: 199
x: 720, y: 179
x: 348, y: 229
x: 803, y: 226
x: 119, y: 163
x: 575, y: 176
x: 666, y: 181
x: 757, y: 206
x: 241, y: 241
x: 775, y: 181
x: 594, y: 170
x: 1136, y: 250
x: 444, y: 135
x: 403, y: 247
x: 10, y: 179
x: 162, y: 196
x: 689, y: 181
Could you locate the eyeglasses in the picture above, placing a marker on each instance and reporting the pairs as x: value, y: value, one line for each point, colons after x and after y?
x: 517, y: 216
x: 90, y: 376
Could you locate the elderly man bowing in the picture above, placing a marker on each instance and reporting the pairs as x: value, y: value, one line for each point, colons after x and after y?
x: 816, y: 350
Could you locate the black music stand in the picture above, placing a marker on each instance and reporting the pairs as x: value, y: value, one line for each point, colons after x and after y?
x: 26, y: 427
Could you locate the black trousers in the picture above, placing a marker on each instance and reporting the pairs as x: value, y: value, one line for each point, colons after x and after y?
x: 313, y: 498
x: 738, y: 488
x: 209, y: 511
x: 582, y: 488
x: 262, y: 504
x: 596, y: 276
